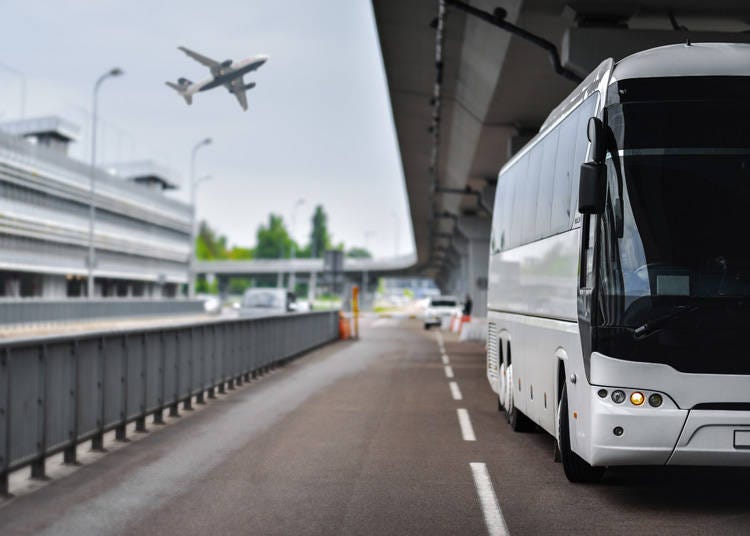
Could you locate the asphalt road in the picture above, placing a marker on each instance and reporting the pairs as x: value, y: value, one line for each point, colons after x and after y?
x: 366, y: 438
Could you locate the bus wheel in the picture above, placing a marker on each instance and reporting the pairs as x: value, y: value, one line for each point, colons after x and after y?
x: 576, y: 469
x: 500, y: 407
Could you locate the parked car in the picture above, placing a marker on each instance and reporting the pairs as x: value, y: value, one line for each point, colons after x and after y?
x: 267, y: 301
x: 438, y: 308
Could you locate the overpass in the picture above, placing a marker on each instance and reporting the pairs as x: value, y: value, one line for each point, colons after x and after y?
x: 360, y: 270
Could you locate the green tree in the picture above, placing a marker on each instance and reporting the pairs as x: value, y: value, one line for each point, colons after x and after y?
x: 272, y: 240
x: 358, y: 253
x: 238, y: 253
x: 320, y: 240
x: 209, y: 245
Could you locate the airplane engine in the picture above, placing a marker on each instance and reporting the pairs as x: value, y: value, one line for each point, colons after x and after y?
x: 251, y: 85
x: 184, y: 81
x: 226, y: 64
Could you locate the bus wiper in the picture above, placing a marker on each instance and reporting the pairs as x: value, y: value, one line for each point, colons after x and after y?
x: 652, y: 325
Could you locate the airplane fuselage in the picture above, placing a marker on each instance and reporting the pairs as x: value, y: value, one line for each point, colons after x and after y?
x: 236, y: 70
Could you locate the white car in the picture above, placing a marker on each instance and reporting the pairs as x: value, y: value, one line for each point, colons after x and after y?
x: 438, y: 308
x: 267, y: 301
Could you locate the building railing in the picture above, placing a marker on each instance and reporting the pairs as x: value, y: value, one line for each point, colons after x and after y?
x: 15, y: 311
x: 58, y: 392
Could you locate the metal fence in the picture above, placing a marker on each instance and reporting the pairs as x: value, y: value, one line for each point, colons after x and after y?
x: 57, y: 392
x: 33, y: 310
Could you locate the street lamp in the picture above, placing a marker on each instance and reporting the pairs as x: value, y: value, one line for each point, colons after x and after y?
x: 193, y: 188
x: 293, y: 252
x: 92, y: 189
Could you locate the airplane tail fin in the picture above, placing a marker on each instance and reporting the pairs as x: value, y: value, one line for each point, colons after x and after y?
x: 181, y: 87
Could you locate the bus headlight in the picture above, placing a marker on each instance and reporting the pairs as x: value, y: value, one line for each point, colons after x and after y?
x: 618, y: 396
x: 637, y: 398
x: 655, y: 400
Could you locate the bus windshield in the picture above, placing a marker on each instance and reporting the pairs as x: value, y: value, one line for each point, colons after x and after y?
x: 685, y: 170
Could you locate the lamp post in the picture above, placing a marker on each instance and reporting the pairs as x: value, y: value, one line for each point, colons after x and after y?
x: 92, y: 188
x: 293, y: 252
x: 193, y: 188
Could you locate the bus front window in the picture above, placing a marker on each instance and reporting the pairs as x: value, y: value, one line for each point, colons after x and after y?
x: 679, y: 260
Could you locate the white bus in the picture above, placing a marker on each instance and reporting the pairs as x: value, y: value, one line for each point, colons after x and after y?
x: 620, y: 317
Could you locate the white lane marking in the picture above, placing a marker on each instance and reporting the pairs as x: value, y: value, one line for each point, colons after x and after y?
x: 448, y: 371
x: 493, y: 516
x: 445, y: 359
x: 467, y: 430
x: 455, y: 391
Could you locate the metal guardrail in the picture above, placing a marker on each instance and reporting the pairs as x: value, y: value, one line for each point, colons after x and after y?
x: 34, y: 310
x: 57, y: 392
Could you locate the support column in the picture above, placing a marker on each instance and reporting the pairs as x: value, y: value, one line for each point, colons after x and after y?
x: 476, y: 230
x: 311, y: 287
x: 223, y: 286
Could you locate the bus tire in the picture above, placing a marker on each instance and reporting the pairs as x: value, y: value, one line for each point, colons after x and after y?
x: 576, y: 469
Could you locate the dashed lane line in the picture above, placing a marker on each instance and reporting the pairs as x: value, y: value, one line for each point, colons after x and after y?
x: 455, y: 391
x: 448, y: 371
x: 467, y: 430
x: 445, y: 359
x: 493, y: 516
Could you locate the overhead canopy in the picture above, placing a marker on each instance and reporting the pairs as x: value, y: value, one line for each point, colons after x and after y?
x: 496, y: 88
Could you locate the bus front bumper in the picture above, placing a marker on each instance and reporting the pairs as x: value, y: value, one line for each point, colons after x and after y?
x: 623, y: 434
x: 667, y: 435
x: 714, y: 437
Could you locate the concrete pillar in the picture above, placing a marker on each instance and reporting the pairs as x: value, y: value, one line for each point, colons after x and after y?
x: 223, y: 286
x: 476, y: 260
x: 311, y: 287
x: 364, y: 295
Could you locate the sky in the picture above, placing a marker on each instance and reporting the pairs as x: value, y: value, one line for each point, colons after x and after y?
x: 319, y: 124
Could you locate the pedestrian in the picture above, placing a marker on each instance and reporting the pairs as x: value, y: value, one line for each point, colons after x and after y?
x: 467, y: 305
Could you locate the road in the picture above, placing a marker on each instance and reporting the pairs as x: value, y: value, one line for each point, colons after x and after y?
x: 366, y: 438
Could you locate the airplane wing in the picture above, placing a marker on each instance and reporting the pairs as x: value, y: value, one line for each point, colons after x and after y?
x: 208, y: 62
x: 237, y: 87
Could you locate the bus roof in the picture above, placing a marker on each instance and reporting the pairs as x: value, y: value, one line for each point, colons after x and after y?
x: 697, y: 59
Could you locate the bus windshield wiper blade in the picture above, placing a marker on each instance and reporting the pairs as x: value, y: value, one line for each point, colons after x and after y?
x: 652, y: 325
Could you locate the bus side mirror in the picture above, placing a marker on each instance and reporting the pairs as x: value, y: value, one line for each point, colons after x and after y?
x: 592, y: 191
x: 596, y: 135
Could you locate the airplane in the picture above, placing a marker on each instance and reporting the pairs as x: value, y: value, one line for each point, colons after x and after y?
x: 225, y: 73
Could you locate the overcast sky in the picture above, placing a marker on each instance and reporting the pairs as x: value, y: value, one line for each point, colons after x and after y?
x: 319, y: 124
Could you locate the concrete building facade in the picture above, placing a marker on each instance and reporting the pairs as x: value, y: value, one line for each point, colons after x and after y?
x: 141, y: 236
